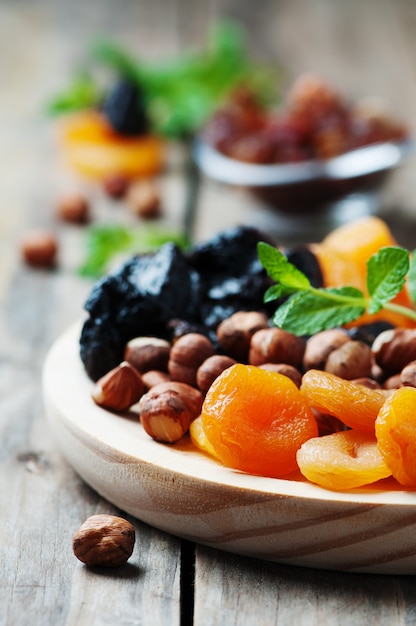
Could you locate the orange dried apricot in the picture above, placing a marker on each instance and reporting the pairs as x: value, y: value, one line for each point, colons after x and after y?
x: 92, y: 148
x: 199, y: 438
x: 344, y: 460
x: 355, y: 405
x: 256, y: 420
x: 396, y: 435
x: 343, y: 256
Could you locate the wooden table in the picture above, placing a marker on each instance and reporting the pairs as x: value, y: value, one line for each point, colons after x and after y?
x: 367, y: 48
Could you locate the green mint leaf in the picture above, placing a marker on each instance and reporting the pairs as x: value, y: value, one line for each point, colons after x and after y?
x: 277, y: 291
x: 411, y: 276
x: 83, y: 93
x: 386, y: 275
x: 309, y: 312
x: 280, y: 270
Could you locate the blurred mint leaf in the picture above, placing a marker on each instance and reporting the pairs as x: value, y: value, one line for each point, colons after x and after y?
x: 105, y: 242
x: 82, y: 93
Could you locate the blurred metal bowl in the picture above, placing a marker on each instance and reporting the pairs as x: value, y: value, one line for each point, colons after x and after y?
x: 310, y: 186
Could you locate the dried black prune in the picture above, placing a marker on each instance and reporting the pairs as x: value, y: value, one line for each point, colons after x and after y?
x: 125, y: 109
x: 368, y: 332
x: 139, y: 299
x: 232, y: 277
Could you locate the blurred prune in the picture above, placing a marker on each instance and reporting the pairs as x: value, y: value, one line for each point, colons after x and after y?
x: 305, y: 260
x: 368, y: 332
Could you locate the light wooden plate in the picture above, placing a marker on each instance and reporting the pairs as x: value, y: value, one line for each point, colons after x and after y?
x: 179, y: 490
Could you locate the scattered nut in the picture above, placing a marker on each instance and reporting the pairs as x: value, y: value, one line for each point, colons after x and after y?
x: 116, y: 185
x: 393, y: 349
x: 366, y: 381
x: 210, y: 369
x: 144, y: 200
x: 283, y: 368
x: 234, y: 333
x: 186, y: 355
x: 408, y: 375
x: 147, y: 353
x: 39, y: 248
x: 104, y: 541
x: 327, y: 424
x: 119, y: 389
x: 274, y: 345
x: 152, y: 378
x: 351, y: 360
x: 167, y: 410
x: 74, y: 208
x: 319, y: 346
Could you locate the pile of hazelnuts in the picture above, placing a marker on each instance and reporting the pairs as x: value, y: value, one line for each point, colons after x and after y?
x: 167, y: 383
x: 40, y: 247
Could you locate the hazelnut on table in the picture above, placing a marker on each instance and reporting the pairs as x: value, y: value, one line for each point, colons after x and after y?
x: 39, y: 248
x: 119, y: 389
x: 186, y: 355
x: 104, y: 541
x: 234, y: 333
x: 74, y: 208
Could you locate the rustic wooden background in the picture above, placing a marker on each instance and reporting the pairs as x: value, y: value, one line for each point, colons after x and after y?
x: 367, y: 47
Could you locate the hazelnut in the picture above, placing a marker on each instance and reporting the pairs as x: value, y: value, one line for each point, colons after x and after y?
x: 116, y: 185
x: 366, y: 381
x: 104, y: 541
x: 234, y: 333
x: 327, y: 424
x: 144, y: 200
x: 394, y: 348
x: 408, y: 375
x: 319, y: 346
x: 151, y: 378
x: 186, y: 355
x: 167, y: 410
x: 39, y: 248
x: 284, y: 368
x: 119, y: 389
x: 275, y: 345
x: 351, y: 360
x: 74, y: 208
x: 393, y: 382
x: 210, y: 369
x: 147, y: 353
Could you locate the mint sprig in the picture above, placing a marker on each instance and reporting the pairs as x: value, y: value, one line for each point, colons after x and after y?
x: 308, y: 310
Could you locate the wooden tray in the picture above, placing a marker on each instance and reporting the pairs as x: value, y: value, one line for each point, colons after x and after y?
x: 179, y: 490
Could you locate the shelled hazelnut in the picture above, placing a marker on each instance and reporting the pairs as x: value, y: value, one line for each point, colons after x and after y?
x: 144, y: 200
x: 351, y: 360
x: 275, y: 345
x: 210, y: 369
x: 393, y: 349
x: 74, y: 209
x: 147, y: 353
x: 151, y: 378
x: 119, y: 389
x: 167, y: 410
x: 319, y: 346
x: 104, y: 541
x: 186, y: 355
x: 39, y: 248
x: 234, y: 333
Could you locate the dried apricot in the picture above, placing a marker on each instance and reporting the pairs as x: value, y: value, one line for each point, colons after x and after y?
x: 355, y: 405
x: 92, y: 148
x: 256, y: 420
x: 343, y: 256
x: 344, y: 460
x: 396, y: 435
x: 199, y: 438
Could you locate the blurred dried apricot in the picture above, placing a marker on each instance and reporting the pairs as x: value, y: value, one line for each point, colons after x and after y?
x: 94, y: 149
x: 256, y: 420
x: 355, y: 405
x: 343, y: 460
x: 396, y: 435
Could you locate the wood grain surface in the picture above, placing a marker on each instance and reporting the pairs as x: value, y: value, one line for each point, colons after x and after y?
x: 367, y: 48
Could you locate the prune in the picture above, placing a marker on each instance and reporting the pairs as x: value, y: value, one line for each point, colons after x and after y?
x: 232, y: 277
x: 139, y: 299
x: 368, y: 332
x: 125, y: 109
